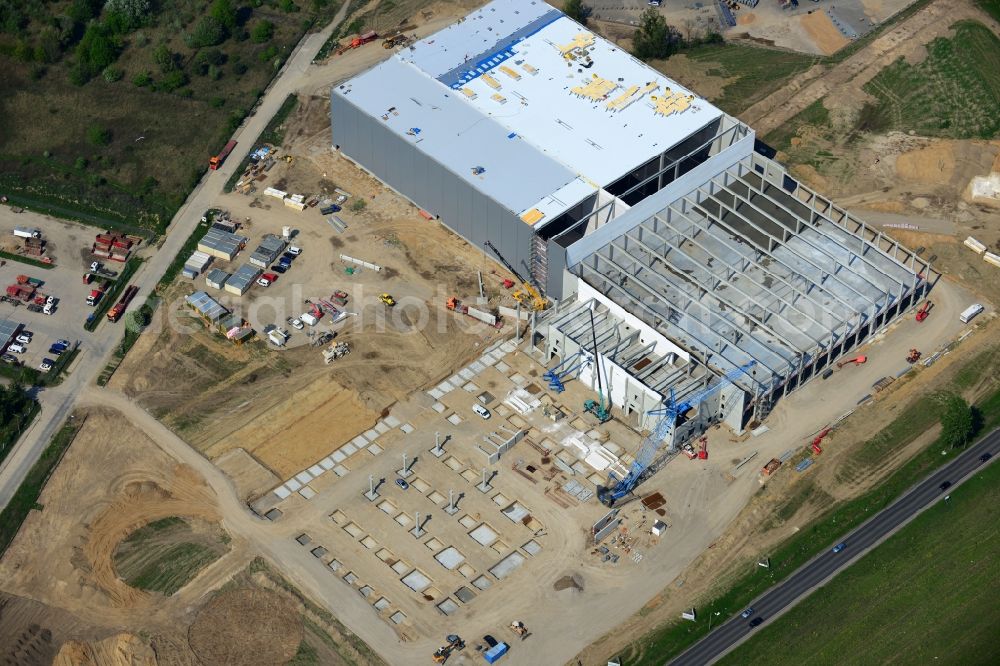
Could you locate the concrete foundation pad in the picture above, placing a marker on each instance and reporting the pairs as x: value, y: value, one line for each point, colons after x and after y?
x: 484, y: 535
x: 507, y: 565
x: 450, y: 558
x: 416, y: 581
x: 447, y: 607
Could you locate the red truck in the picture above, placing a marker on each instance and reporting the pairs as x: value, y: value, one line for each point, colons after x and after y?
x: 360, y: 40
x: 94, y: 297
x: 215, y: 162
x: 115, y: 313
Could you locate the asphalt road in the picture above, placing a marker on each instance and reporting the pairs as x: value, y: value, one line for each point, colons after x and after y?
x: 824, y: 566
x: 57, y: 402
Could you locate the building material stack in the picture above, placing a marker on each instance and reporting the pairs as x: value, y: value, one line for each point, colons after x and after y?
x: 115, y: 247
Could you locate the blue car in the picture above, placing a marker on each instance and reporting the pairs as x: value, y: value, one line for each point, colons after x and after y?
x: 839, y: 547
x: 58, y: 351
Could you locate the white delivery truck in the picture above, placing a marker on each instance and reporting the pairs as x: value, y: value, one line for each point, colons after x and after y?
x: 969, y: 313
x: 27, y: 232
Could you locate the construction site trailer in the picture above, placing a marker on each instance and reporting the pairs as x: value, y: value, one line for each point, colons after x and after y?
x: 493, y: 655
x: 216, y: 278
x: 242, y: 279
x: 196, y: 264
x: 221, y: 244
x: 969, y: 313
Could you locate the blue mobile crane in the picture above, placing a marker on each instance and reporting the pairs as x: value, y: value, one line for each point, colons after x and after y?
x: 573, y: 365
x: 663, y: 430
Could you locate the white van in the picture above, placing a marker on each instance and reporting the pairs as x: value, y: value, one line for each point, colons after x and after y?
x: 970, y: 313
x: 16, y: 348
x: 309, y: 318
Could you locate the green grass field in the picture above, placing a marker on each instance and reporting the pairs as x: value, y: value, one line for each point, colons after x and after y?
x: 165, y: 555
x: 991, y: 7
x: 927, y: 595
x: 954, y: 92
x: 755, y: 72
x: 112, y: 122
x: 747, y: 582
x: 816, y: 114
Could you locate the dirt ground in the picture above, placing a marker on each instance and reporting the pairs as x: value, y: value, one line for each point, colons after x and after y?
x: 823, y: 33
x: 75, y: 610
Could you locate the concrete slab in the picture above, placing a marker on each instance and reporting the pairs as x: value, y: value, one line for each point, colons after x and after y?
x: 335, y: 565
x: 350, y: 578
x: 338, y: 456
x: 470, y: 388
x: 438, y: 407
x: 416, y: 581
x: 307, y: 492
x: 482, y: 583
x: 293, y: 485
x: 392, y: 421
x: 407, y: 428
x: 382, y: 427
x: 400, y: 567
x: 387, y: 507
x: 282, y: 492
x: 507, y: 565
x: 434, y: 544
x: 304, y: 477
x: 354, y: 530
x: 467, y: 570
x: 532, y: 548
x: 338, y: 517
x: 477, y: 367
x: 371, y: 435
x: 381, y: 604
x: 502, y: 367
x: 484, y: 535
x: 316, y: 470
x: 340, y: 470
x: 450, y: 558
x: 366, y: 591
x: 454, y: 419
x: 445, y: 387
x: 447, y: 607
x: 350, y: 448
x: 375, y: 449
x: 466, y: 374
x: 435, y: 393
x: 358, y: 442
x: 327, y: 463
x: 516, y: 512
x: 398, y: 617
x: 464, y: 594
x: 369, y: 542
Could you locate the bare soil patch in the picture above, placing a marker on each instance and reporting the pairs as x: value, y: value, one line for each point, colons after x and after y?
x: 823, y: 32
x: 247, y: 625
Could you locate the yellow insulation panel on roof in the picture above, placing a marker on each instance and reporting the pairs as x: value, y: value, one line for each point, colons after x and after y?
x: 509, y: 72
x: 491, y: 82
x: 596, y: 89
x: 581, y: 41
x: 532, y: 216
x: 468, y: 92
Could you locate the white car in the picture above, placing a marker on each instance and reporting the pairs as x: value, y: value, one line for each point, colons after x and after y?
x: 95, y: 266
x: 46, y: 365
x: 294, y: 251
x: 16, y: 348
x: 24, y: 338
x: 482, y: 411
x: 297, y: 324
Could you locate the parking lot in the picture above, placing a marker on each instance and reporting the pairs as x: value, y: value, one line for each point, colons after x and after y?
x: 67, y: 244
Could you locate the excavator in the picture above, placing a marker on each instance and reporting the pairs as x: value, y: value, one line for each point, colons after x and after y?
x: 454, y: 643
x: 913, y: 356
x: 924, y: 310
x: 527, y: 295
x: 857, y: 360
x: 387, y: 299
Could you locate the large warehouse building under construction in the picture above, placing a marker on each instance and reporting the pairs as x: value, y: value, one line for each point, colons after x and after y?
x: 670, y: 244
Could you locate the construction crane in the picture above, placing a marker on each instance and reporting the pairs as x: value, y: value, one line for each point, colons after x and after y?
x: 557, y: 375
x: 663, y: 430
x: 601, y: 411
x: 528, y: 294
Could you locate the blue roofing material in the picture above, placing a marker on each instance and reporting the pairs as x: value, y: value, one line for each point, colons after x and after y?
x: 494, y: 653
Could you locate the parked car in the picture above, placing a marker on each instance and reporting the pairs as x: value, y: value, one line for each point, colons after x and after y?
x: 402, y: 484
x: 267, y: 279
x: 58, y: 351
x: 9, y: 358
x: 297, y: 324
x: 24, y: 337
x: 62, y: 343
x: 482, y: 411
x: 287, y: 256
x: 294, y: 251
x: 279, y: 268
x: 747, y: 613
x: 46, y: 365
x: 16, y: 348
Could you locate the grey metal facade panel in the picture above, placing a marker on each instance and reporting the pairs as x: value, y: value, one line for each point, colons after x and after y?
x: 427, y: 183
